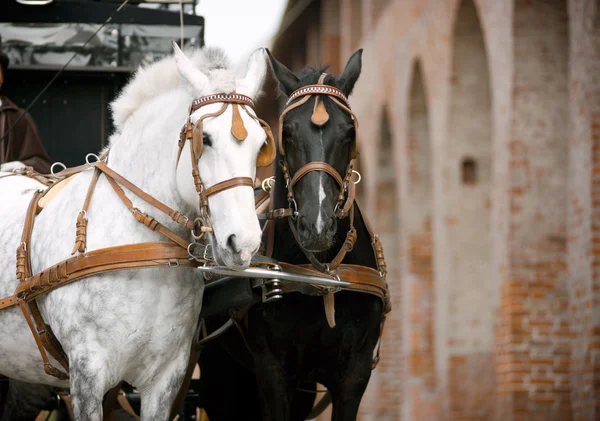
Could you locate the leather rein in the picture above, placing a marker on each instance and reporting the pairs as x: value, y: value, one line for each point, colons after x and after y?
x: 177, y: 252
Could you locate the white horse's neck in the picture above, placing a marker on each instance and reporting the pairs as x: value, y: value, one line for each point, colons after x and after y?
x: 145, y: 150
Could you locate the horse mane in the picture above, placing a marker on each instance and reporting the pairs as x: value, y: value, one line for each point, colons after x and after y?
x: 162, y: 76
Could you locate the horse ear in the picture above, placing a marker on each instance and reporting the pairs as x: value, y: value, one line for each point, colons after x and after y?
x: 351, y: 72
x: 193, y: 77
x: 286, y: 79
x: 256, y: 71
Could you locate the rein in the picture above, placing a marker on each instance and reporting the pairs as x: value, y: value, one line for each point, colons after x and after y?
x: 177, y: 252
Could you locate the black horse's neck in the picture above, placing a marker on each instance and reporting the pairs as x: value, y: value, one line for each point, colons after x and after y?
x: 287, y: 249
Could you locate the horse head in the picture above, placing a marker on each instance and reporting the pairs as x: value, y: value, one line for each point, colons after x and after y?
x: 317, y: 128
x: 195, y: 97
x: 227, y: 141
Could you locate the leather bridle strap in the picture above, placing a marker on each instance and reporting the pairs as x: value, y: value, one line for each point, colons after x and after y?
x: 317, y: 166
x: 329, y: 268
x: 225, y: 185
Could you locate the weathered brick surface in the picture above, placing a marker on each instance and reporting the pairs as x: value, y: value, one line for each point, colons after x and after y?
x: 497, y: 293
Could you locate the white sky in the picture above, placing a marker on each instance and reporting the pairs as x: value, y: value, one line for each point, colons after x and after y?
x: 240, y: 26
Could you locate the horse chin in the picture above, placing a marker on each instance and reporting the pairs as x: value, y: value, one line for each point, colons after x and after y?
x: 235, y: 261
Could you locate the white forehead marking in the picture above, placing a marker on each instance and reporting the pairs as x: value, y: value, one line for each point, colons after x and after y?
x: 322, y: 196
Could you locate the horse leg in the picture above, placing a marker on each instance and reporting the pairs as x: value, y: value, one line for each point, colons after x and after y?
x: 346, y: 394
x: 275, y: 390
x: 180, y: 398
x: 158, y: 395
x: 88, y: 384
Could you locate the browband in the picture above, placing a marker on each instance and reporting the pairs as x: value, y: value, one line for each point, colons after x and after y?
x: 229, y: 98
x: 318, y: 90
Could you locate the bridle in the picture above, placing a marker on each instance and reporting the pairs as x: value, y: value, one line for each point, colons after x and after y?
x: 344, y: 206
x: 319, y: 117
x: 194, y: 134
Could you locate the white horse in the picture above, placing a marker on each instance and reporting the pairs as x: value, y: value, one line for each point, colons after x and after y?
x: 132, y: 325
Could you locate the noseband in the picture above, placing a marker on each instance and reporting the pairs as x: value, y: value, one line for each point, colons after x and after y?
x: 319, y: 118
x: 194, y: 134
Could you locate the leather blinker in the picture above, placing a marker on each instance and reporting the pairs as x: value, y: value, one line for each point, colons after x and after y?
x: 238, y: 130
x: 266, y: 155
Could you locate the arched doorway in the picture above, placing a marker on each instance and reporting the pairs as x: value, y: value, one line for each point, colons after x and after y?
x: 467, y: 190
x: 418, y: 274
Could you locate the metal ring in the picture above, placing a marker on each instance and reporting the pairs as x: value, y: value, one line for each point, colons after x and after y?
x: 270, y: 181
x: 295, y: 212
x: 188, y: 250
x: 52, y: 168
x: 359, y: 176
x: 93, y: 155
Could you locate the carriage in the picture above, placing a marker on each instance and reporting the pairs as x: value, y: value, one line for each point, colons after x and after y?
x: 234, y: 291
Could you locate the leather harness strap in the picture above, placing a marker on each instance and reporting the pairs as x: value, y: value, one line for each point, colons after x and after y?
x: 173, y: 214
x: 82, y: 221
x: 132, y: 256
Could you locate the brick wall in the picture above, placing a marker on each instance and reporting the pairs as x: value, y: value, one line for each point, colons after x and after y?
x: 497, y: 283
x: 535, y: 342
x: 583, y: 201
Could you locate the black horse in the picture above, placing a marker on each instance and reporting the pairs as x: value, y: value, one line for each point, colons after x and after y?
x: 290, y: 342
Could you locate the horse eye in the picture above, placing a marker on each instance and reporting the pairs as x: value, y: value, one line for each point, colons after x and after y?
x: 206, y: 139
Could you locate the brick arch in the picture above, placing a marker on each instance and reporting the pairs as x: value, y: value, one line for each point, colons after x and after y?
x: 418, y: 272
x: 383, y: 392
x: 468, y: 285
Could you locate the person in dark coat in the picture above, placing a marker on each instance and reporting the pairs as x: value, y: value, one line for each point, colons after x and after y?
x: 23, y: 142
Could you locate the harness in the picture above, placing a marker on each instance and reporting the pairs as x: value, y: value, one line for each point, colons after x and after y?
x: 176, y: 252
x: 362, y: 279
x: 345, y: 202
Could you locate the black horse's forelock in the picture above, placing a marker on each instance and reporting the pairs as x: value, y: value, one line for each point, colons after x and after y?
x: 311, y: 75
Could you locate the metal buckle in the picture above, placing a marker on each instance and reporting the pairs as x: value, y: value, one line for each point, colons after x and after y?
x: 173, y: 264
x: 208, y: 254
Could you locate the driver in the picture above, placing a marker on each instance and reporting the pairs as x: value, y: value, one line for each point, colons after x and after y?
x: 23, y: 142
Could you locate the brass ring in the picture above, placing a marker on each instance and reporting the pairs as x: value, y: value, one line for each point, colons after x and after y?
x: 359, y: 176
x: 270, y: 181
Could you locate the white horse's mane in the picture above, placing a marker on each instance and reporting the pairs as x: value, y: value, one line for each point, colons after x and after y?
x: 162, y: 76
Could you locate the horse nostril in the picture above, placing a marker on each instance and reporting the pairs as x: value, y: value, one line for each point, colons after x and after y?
x: 231, y: 243
x: 332, y: 227
x: 302, y: 224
